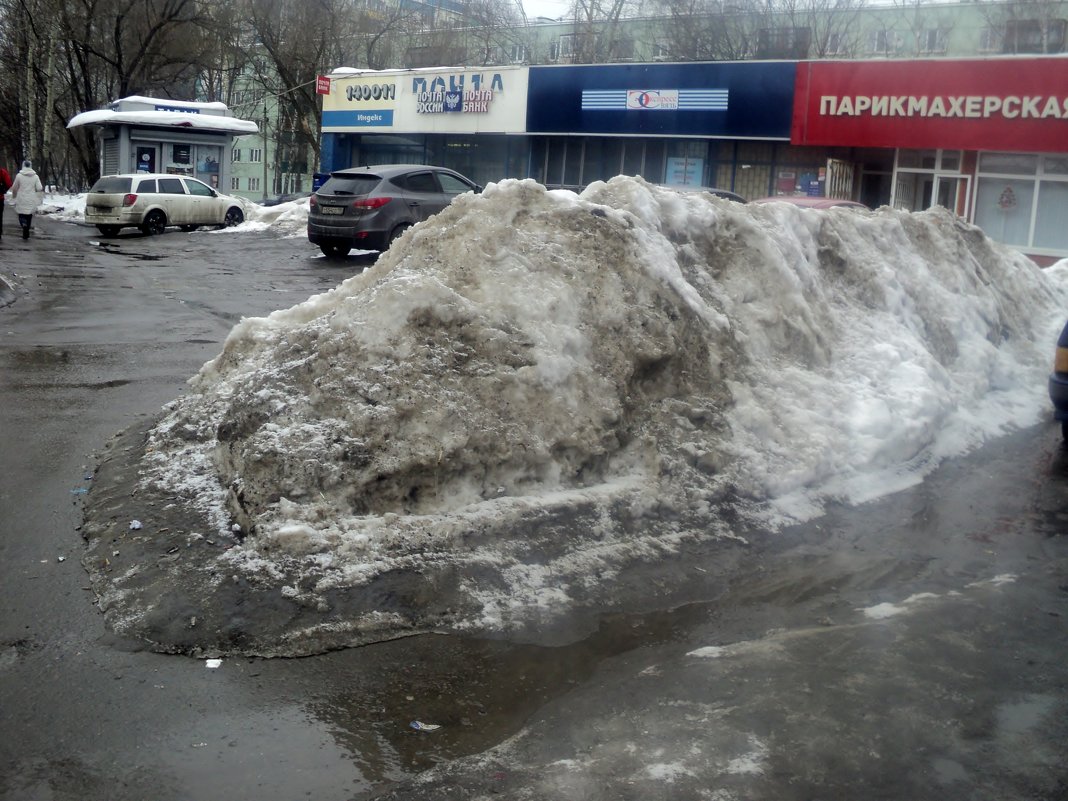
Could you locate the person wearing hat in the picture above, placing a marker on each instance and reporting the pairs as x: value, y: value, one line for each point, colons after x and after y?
x: 27, y: 191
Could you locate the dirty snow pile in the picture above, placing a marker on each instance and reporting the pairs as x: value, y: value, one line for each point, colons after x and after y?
x: 536, y: 389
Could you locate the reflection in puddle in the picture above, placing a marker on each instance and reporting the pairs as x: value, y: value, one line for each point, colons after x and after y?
x: 480, y: 692
x: 1021, y: 717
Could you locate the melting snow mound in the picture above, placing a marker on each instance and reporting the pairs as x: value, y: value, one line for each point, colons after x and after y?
x: 536, y: 395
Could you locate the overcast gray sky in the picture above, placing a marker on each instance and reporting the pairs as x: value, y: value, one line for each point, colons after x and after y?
x: 545, y: 8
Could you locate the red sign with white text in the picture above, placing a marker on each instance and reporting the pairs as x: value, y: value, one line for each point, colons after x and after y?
x: 322, y: 84
x: 1016, y: 104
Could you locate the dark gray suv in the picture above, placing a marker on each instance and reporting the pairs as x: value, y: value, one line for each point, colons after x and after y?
x: 369, y: 207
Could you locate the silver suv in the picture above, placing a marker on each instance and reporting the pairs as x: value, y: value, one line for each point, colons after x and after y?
x: 369, y: 207
x: 151, y: 202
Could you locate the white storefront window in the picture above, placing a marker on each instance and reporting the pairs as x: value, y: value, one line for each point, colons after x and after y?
x: 1022, y: 200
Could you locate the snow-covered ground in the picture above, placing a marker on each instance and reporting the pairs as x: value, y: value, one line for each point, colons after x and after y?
x: 535, y: 389
x: 288, y: 219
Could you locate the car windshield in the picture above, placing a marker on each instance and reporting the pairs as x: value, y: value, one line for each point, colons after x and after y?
x: 112, y: 184
x: 350, y: 184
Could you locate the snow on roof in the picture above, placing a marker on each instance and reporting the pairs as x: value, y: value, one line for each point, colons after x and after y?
x: 157, y: 102
x: 355, y: 72
x: 165, y: 119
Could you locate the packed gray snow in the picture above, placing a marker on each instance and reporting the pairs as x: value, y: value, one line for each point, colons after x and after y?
x: 535, y: 392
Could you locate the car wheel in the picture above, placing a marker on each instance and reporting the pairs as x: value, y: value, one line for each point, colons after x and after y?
x: 188, y: 228
x: 234, y: 216
x: 397, y: 233
x: 108, y: 230
x: 335, y: 251
x: 154, y: 223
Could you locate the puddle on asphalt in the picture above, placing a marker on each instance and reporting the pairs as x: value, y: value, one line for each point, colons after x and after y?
x: 1022, y: 716
x: 479, y: 692
x: 948, y: 771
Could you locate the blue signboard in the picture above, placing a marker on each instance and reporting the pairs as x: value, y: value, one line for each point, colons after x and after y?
x: 725, y: 99
x: 363, y: 118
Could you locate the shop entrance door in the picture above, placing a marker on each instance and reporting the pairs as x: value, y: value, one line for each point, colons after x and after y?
x: 917, y: 191
x: 841, y: 176
x: 953, y: 192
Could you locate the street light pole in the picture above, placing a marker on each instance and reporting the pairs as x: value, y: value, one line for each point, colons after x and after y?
x: 263, y: 153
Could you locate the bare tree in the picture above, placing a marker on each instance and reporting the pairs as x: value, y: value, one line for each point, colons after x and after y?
x: 493, y: 31
x: 705, y: 30
x: 919, y: 28
x: 229, y: 55
x: 297, y: 40
x: 1026, y: 26
x: 710, y: 30
x: 598, y: 34
x: 833, y: 25
x: 384, y: 36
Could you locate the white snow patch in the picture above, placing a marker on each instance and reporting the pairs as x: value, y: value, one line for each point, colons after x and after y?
x: 751, y: 763
x: 668, y: 772
x: 709, y: 652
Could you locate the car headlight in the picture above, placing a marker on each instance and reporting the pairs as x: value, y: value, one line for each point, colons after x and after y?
x: 1060, y: 360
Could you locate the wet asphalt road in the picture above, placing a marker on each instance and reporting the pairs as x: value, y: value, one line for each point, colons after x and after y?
x: 781, y: 687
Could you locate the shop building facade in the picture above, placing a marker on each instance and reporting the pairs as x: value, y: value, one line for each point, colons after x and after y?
x: 983, y: 137
x: 145, y: 134
x: 987, y: 138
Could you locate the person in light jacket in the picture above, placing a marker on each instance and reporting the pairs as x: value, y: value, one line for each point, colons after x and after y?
x: 28, y: 192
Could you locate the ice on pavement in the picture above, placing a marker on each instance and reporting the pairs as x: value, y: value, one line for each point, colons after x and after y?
x: 535, y: 389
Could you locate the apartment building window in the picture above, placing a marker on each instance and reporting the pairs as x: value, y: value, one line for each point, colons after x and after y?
x: 255, y: 155
x: 661, y: 51
x: 518, y: 54
x: 428, y: 56
x: 884, y: 43
x: 623, y: 50
x: 1034, y: 36
x: 235, y: 154
x: 562, y: 48
x: 783, y: 42
x: 235, y: 183
x: 836, y: 45
x: 990, y: 40
x: 253, y: 184
x: 932, y: 40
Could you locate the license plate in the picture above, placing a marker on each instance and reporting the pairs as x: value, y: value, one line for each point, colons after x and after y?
x: 99, y: 209
x: 332, y: 209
